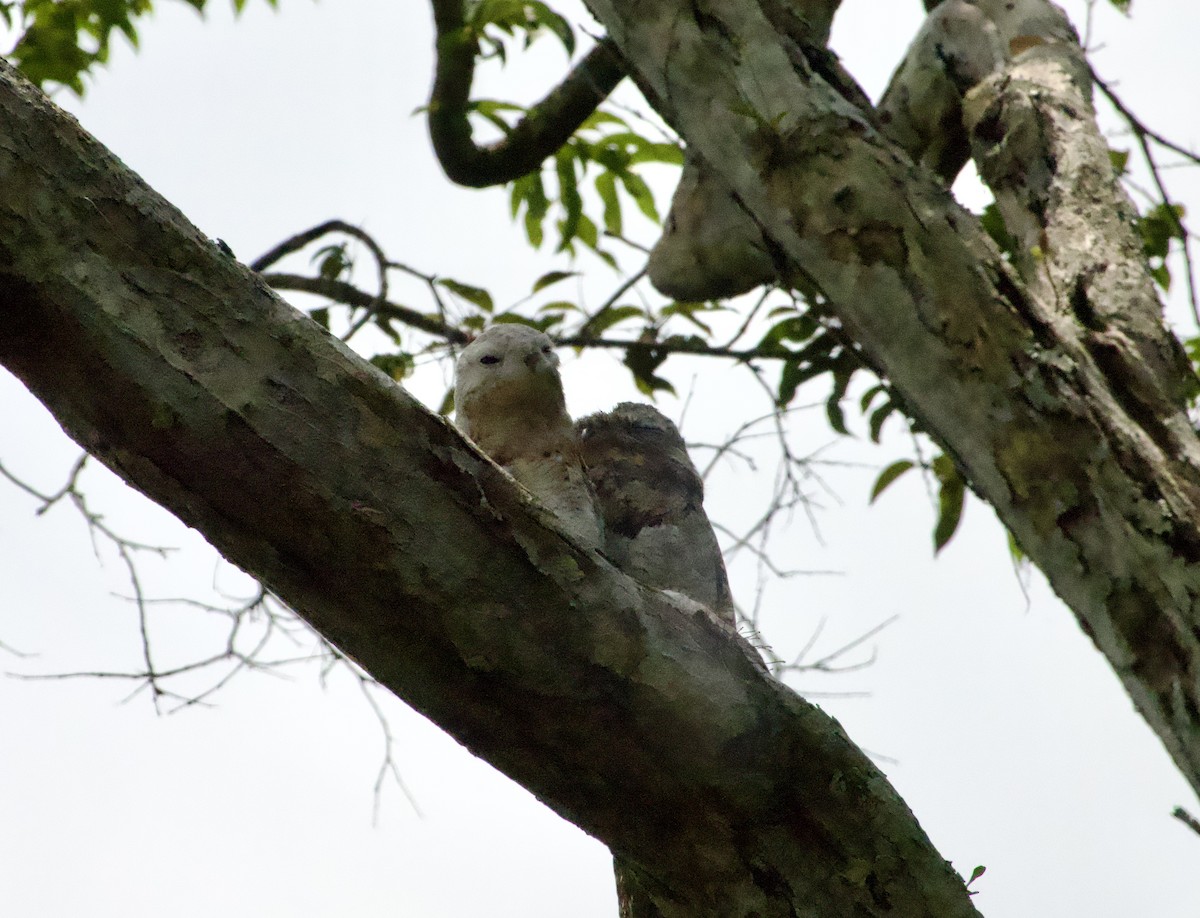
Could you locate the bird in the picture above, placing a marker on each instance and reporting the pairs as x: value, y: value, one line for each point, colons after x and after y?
x: 508, y: 398
x: 651, y: 499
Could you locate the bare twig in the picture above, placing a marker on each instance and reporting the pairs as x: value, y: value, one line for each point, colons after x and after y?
x: 1187, y: 819
x: 1144, y: 136
x: 346, y: 293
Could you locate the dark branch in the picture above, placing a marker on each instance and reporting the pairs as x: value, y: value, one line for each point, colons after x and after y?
x: 546, y: 126
x: 346, y: 293
x: 300, y: 240
x: 1187, y: 819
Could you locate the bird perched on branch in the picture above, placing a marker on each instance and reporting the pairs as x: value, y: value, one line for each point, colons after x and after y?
x: 619, y: 480
x: 508, y: 398
x: 651, y: 498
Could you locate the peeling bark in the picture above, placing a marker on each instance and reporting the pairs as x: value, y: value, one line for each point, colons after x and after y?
x: 644, y: 725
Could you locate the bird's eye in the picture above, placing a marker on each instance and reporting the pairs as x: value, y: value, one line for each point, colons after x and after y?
x: 546, y: 348
x: 489, y: 359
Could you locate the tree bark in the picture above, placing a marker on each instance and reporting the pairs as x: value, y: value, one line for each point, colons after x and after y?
x: 1063, y: 412
x: 646, y: 726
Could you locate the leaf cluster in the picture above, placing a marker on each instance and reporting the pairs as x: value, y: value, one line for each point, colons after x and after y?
x: 609, y: 152
x: 494, y: 22
x: 61, y: 41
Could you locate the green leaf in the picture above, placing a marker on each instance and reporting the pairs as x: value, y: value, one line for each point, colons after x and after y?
x: 869, y: 396
x: 507, y: 17
x: 640, y: 192
x: 320, y: 315
x: 385, y: 324
x: 669, y: 153
x: 397, y: 366
x: 530, y: 191
x: 790, y: 378
x: 688, y: 311
x: 878, y: 416
x: 607, y: 318
x: 975, y: 875
x: 1162, y: 276
x: 642, y: 362
x: 1119, y: 160
x: 797, y: 372
x: 586, y: 231
x: 1158, y: 226
x: 560, y: 306
x: 476, y: 295
x: 888, y: 475
x: 601, y: 116
x: 606, y: 187
x: 490, y: 109
x: 950, y: 501
x: 993, y: 224
x: 334, y: 262
x: 513, y: 318
x: 568, y: 197
x: 833, y: 404
x: 64, y: 39
x: 1015, y: 549
x: 550, y: 278
x: 447, y: 404
x: 793, y: 328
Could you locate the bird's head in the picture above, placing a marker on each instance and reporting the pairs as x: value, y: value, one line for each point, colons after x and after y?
x: 508, y: 369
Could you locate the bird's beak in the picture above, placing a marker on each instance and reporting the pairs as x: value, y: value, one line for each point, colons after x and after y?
x: 533, y: 359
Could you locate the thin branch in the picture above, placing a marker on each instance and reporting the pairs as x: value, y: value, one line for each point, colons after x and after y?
x: 673, y: 346
x: 751, y: 314
x: 300, y: 240
x: 387, y: 767
x: 611, y: 301
x: 825, y: 663
x: 1187, y: 819
x: 8, y: 648
x: 346, y: 293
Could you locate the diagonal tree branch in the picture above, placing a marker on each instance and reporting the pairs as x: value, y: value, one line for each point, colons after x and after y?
x: 1093, y: 468
x: 423, y: 562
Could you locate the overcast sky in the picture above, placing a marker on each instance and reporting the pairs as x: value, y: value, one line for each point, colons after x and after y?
x: 1004, y: 730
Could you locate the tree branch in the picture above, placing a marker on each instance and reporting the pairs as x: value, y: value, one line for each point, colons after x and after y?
x: 1144, y: 135
x: 545, y: 127
x: 343, y: 292
x: 424, y: 563
x: 1092, y: 466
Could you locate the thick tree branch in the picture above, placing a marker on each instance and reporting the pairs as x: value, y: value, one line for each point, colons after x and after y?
x: 921, y: 111
x: 1144, y: 137
x: 425, y: 563
x: 1094, y: 470
x: 1037, y: 146
x: 545, y: 127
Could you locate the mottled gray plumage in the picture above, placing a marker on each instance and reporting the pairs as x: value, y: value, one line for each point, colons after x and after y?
x: 651, y: 499
x: 508, y: 398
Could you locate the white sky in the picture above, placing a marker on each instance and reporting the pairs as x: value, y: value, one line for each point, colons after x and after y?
x: 1004, y: 730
